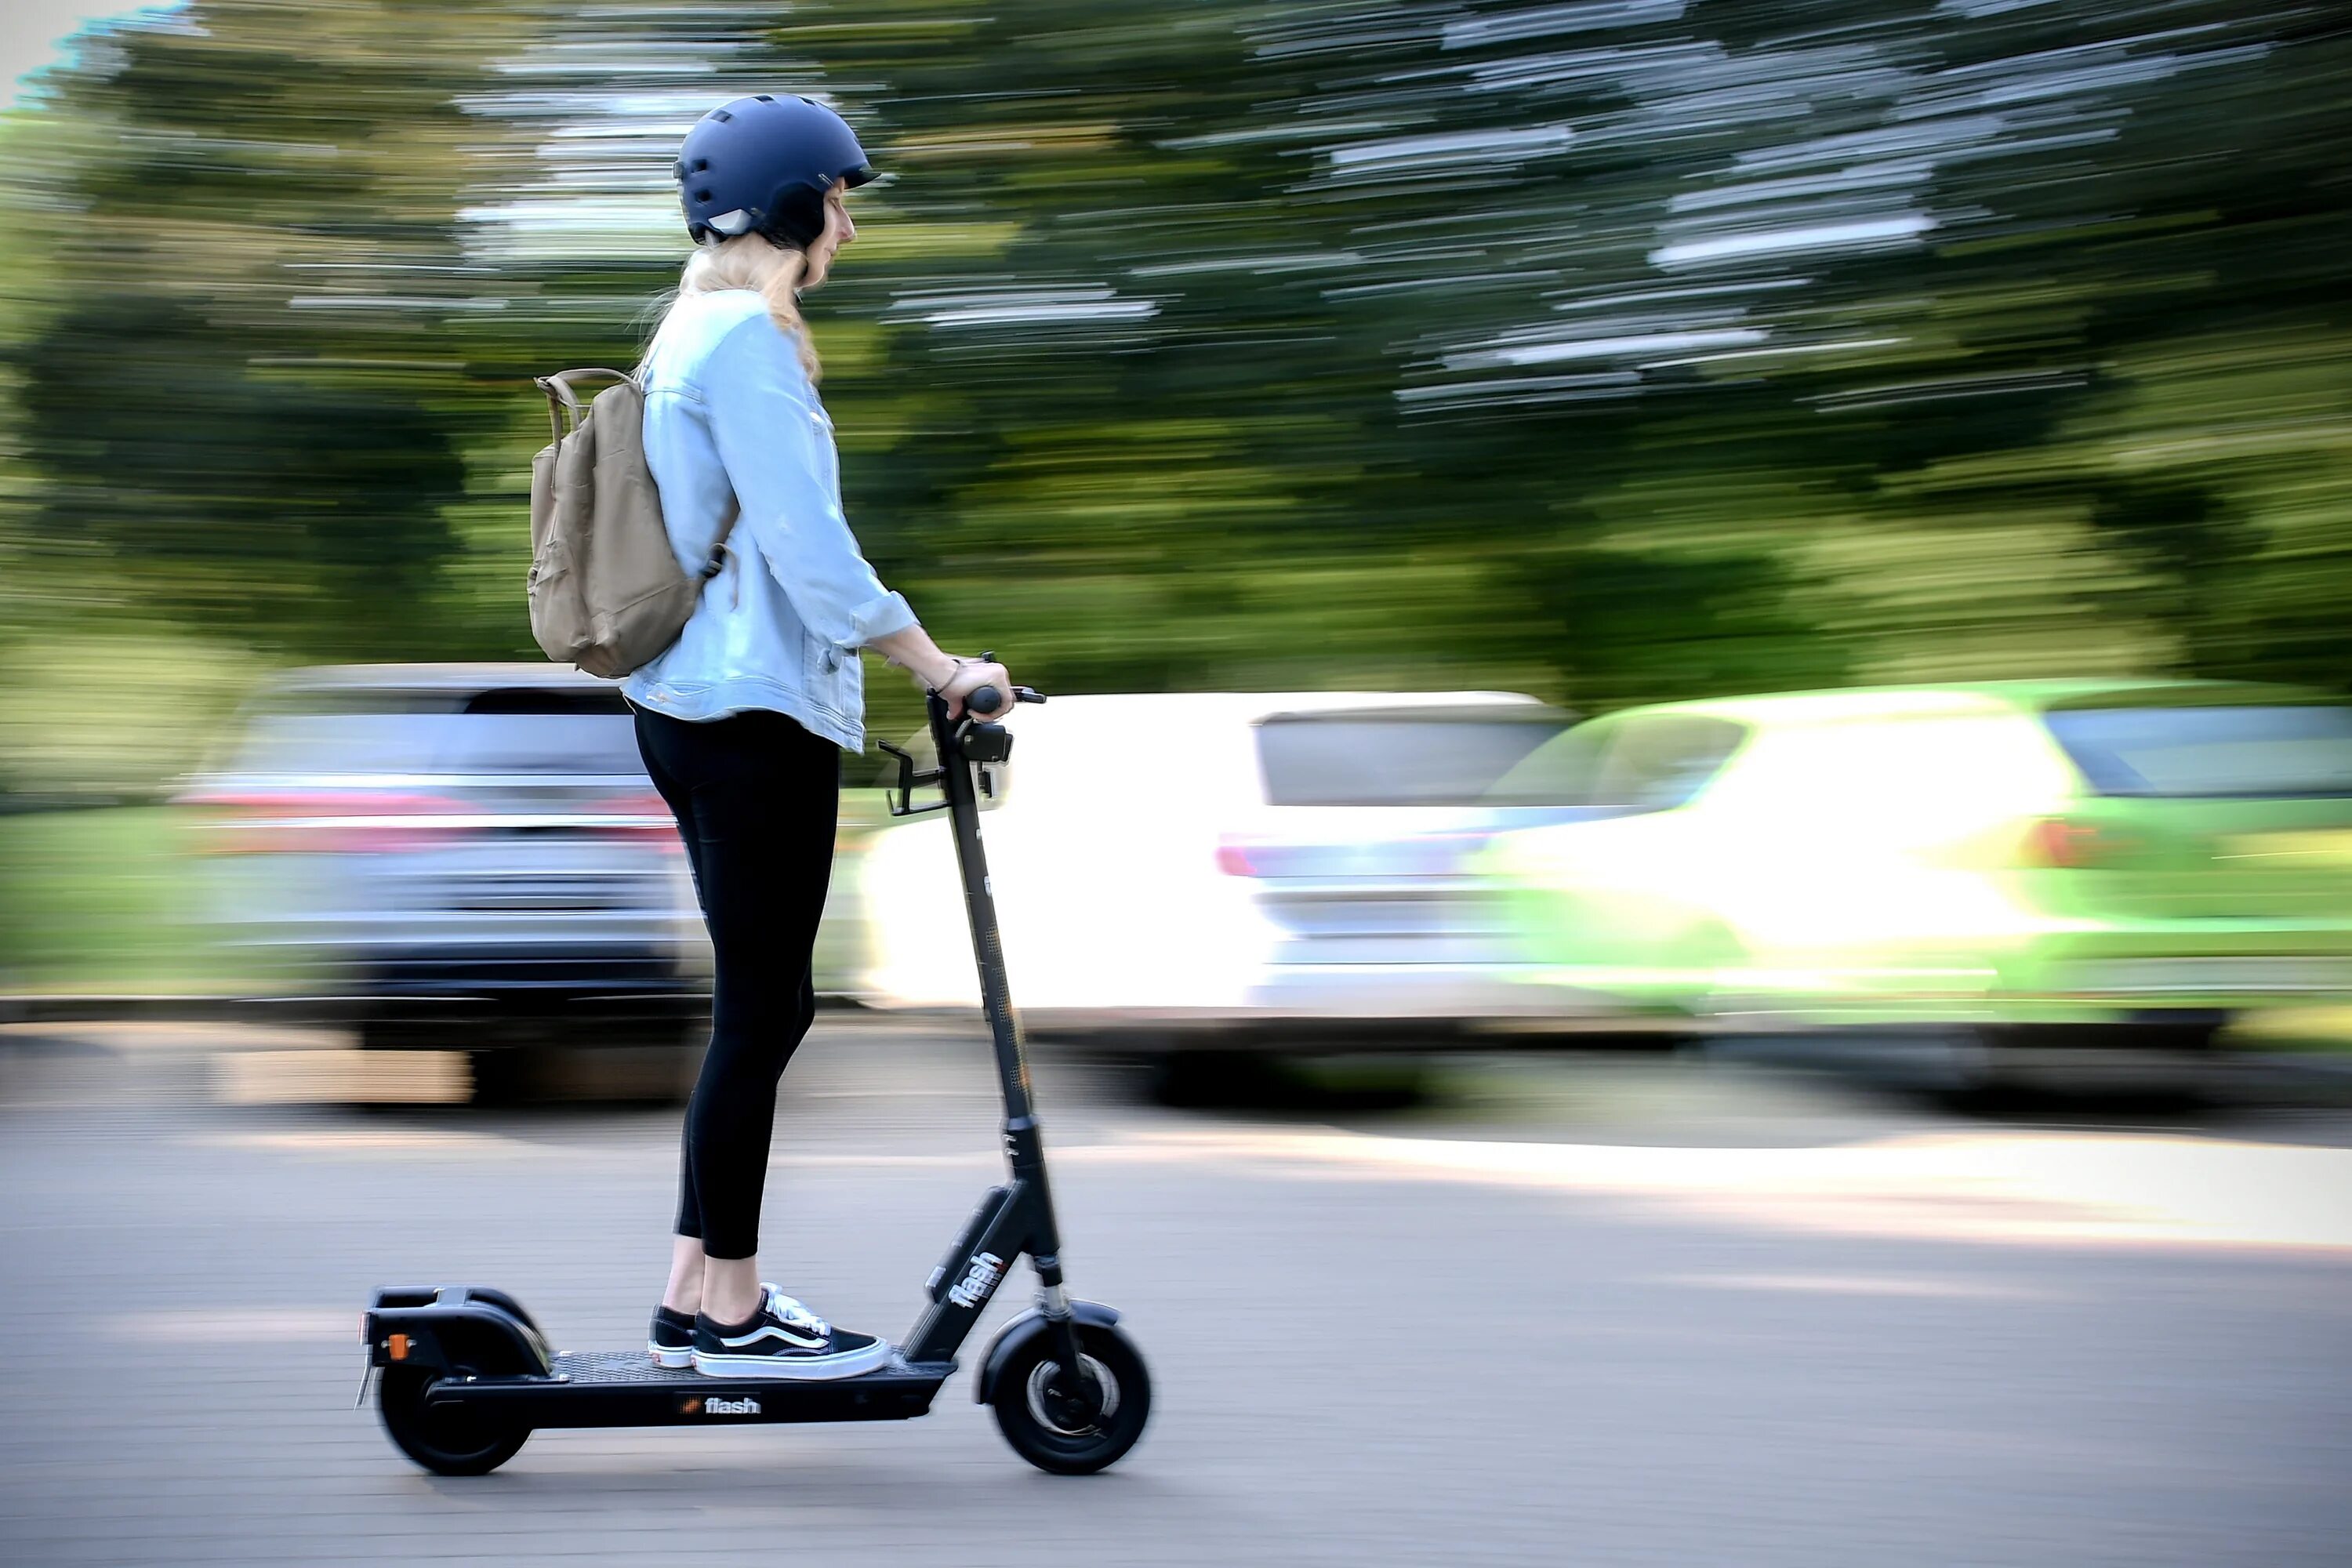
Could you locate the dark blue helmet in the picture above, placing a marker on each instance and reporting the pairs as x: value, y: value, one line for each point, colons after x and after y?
x: 762, y: 165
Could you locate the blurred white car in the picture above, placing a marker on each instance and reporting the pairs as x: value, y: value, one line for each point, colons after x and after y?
x: 1285, y: 863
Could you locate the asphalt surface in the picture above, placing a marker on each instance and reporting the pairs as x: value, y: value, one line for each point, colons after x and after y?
x: 1587, y: 1312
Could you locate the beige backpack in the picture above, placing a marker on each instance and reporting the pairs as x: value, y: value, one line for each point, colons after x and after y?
x: 605, y: 590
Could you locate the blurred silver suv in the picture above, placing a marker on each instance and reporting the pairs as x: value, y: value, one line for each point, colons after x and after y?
x: 454, y: 855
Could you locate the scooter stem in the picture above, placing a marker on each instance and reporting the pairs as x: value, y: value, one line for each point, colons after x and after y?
x: 980, y: 909
x: 1023, y: 1149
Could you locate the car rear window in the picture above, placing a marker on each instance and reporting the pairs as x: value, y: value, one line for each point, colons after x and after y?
x: 505, y: 730
x: 340, y: 742
x: 539, y: 743
x: 2213, y: 752
x: 603, y: 701
x: 1445, y: 757
x: 1652, y: 761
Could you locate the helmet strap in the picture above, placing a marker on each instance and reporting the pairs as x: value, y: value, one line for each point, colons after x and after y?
x: 795, y: 216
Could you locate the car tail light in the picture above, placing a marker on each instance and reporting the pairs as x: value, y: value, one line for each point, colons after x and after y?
x: 328, y: 822
x: 638, y: 819
x: 2060, y: 843
x: 1233, y: 857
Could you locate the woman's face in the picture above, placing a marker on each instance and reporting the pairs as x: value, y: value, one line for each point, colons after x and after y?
x: 838, y: 231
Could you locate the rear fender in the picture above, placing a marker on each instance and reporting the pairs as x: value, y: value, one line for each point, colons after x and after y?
x: 1017, y: 1333
x: 454, y: 1329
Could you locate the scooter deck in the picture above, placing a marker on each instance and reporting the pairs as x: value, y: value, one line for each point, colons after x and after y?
x: 625, y: 1388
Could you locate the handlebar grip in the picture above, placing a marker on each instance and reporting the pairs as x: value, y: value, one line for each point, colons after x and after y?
x: 987, y: 700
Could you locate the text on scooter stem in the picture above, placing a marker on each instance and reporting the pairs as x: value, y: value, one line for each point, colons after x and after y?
x: 986, y: 1269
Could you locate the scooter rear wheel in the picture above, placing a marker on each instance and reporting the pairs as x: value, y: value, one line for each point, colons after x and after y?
x: 1075, y: 1429
x: 443, y: 1441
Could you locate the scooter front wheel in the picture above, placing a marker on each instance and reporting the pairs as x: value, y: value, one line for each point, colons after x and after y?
x: 443, y: 1441
x: 1075, y: 1425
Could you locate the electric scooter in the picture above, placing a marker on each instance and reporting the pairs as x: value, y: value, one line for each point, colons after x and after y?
x: 465, y: 1373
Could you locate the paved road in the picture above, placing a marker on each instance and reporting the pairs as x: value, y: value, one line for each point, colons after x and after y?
x: 1588, y: 1316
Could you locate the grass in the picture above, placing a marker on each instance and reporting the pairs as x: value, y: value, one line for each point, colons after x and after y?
x: 101, y: 902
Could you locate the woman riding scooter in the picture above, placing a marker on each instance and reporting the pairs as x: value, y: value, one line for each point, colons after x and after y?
x: 743, y: 721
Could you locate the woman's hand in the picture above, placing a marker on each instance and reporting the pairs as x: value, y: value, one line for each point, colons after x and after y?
x: 912, y: 650
x: 969, y: 677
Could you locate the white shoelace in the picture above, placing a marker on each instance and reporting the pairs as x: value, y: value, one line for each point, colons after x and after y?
x: 793, y: 1312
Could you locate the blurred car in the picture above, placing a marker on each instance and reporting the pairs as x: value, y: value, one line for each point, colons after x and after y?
x: 1182, y: 868
x: 454, y: 855
x: 2158, y: 854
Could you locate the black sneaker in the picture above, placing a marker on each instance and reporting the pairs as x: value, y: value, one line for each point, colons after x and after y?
x: 670, y: 1342
x: 783, y: 1338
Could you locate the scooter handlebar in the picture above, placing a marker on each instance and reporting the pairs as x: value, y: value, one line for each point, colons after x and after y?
x: 987, y: 700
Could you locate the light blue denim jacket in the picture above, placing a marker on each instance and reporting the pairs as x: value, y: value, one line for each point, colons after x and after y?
x: 730, y: 412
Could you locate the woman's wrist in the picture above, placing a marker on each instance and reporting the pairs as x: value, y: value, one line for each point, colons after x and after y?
x: 913, y: 651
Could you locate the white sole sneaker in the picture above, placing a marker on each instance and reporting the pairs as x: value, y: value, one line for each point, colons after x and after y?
x: 803, y: 1369
x: 676, y: 1360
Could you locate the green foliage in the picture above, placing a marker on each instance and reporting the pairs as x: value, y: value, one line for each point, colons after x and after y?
x: 1616, y: 353
x: 239, y: 502
x: 102, y: 902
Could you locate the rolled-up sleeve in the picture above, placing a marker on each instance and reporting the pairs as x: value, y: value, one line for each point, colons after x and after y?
x: 780, y: 458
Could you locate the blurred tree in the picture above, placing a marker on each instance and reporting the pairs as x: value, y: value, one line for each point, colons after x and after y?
x: 236, y: 396
x: 1616, y: 351
x: 239, y: 503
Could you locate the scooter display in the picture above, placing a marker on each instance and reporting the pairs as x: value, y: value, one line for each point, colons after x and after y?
x: 465, y: 1375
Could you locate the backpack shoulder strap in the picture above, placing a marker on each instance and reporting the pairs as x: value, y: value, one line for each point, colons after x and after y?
x: 562, y: 400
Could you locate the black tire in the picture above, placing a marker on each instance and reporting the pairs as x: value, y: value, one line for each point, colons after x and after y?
x: 1211, y: 1079
x: 2159, y: 1065
x: 1118, y: 1394
x: 444, y: 1442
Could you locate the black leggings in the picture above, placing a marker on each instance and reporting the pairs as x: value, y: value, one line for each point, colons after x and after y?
x: 757, y: 798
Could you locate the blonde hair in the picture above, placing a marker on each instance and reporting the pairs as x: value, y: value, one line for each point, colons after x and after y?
x: 748, y: 261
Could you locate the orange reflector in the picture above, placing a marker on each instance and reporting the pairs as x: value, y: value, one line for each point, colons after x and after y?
x: 399, y: 1347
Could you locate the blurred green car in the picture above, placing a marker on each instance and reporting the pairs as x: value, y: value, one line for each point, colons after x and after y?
x: 2080, y: 852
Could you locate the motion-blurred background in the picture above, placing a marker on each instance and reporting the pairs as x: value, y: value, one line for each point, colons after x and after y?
x: 1605, y: 354
x: 1801, y: 532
